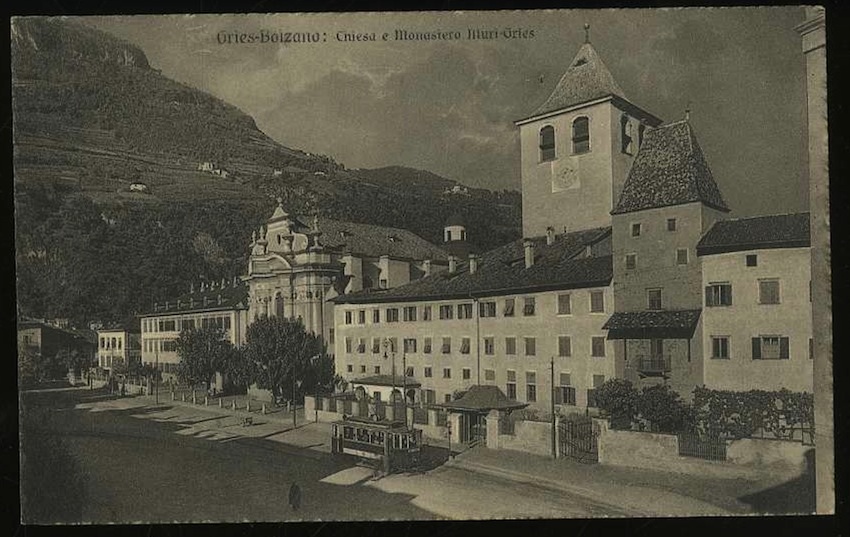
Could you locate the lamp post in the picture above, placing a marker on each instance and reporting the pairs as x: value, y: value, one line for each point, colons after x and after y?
x: 388, y: 349
x: 314, y: 361
x: 552, y: 406
x: 156, y: 374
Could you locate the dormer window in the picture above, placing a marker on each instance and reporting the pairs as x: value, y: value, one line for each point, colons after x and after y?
x: 581, y: 135
x: 626, y: 134
x: 547, y: 143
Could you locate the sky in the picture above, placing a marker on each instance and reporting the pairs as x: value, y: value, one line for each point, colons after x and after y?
x: 448, y: 106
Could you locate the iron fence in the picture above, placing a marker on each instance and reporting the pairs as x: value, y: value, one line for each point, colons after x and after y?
x: 703, y: 447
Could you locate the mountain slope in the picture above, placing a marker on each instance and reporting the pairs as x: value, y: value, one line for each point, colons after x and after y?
x: 91, y: 117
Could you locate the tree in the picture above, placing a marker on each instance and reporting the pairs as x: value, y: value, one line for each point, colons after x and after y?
x: 203, y: 352
x: 619, y: 399
x: 664, y: 409
x: 281, y: 350
x: 237, y: 369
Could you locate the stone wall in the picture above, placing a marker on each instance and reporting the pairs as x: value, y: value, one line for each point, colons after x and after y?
x: 529, y: 436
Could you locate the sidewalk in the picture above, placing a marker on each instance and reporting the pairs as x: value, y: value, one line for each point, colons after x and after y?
x: 634, y: 492
x: 275, y: 425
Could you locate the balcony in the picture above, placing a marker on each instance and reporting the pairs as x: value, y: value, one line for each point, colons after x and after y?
x: 653, y: 366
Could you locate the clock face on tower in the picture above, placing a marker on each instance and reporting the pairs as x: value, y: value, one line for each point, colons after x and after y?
x: 565, y: 175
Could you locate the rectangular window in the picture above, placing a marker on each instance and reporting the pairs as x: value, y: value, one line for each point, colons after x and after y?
x: 509, y: 307
x: 426, y: 345
x: 653, y: 299
x: 597, y: 346
x: 530, y: 346
x: 409, y: 371
x: 349, y: 315
x: 811, y: 349
x: 430, y: 396
x: 770, y: 348
x: 467, y: 373
x: 510, y: 345
x: 530, y: 386
x: 671, y: 224
x: 490, y: 375
x: 447, y: 398
x: 447, y: 372
x: 361, y: 346
x: 426, y: 313
x: 349, y: 368
x: 528, y: 306
x: 752, y: 260
x: 409, y: 345
x: 489, y: 346
x: 447, y: 345
x: 718, y: 294
x: 631, y: 261
x: 376, y: 316
x: 377, y: 370
x: 464, y: 345
x: 392, y: 315
x: 768, y: 291
x: 597, y: 302
x: 464, y: 311
x: 383, y: 283
x: 428, y: 372
x: 510, y: 386
x: 376, y: 345
x: 565, y: 347
x: 565, y: 394
x: 682, y: 256
x: 362, y: 368
x: 446, y: 312
x: 361, y: 317
x: 348, y: 344
x: 636, y: 230
x: 487, y: 309
x: 393, y: 344
x: 564, y: 304
x: 720, y: 347
x: 409, y: 313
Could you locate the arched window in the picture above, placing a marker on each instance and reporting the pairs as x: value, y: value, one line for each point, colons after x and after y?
x: 626, y: 134
x: 448, y: 235
x: 278, y: 305
x: 581, y: 135
x: 463, y: 234
x: 547, y: 143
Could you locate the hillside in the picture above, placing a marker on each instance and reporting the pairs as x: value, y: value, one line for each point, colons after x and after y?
x: 92, y: 116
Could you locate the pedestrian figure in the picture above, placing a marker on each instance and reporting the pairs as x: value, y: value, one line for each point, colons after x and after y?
x: 295, y: 496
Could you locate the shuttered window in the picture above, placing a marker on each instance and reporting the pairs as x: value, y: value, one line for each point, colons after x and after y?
x: 770, y: 348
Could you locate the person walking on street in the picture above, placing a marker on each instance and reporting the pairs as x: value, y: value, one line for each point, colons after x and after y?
x: 295, y: 496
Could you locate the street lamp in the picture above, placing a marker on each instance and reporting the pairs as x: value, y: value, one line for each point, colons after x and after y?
x: 388, y: 349
x: 314, y: 361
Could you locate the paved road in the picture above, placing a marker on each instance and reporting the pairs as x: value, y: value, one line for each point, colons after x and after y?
x: 174, y: 463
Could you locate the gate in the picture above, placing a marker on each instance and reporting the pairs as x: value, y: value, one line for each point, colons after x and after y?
x: 578, y: 440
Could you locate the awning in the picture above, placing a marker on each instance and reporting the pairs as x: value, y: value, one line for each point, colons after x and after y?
x: 678, y: 324
x: 482, y: 399
x: 386, y: 380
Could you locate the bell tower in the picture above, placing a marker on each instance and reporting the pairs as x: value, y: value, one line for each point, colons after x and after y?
x: 577, y: 148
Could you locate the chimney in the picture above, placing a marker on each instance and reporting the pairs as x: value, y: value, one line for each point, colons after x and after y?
x: 223, y: 283
x: 528, y: 244
x: 201, y: 286
x: 235, y: 281
x: 473, y: 263
x: 191, y: 302
x: 426, y: 267
x: 550, y: 235
x: 452, y: 264
x: 192, y: 287
x: 218, y: 299
x: 156, y: 306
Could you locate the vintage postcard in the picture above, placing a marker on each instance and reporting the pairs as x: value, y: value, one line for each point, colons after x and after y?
x: 413, y: 266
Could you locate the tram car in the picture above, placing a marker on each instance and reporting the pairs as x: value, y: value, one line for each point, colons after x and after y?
x: 391, y: 443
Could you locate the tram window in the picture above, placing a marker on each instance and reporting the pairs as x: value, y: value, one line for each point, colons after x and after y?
x: 348, y: 433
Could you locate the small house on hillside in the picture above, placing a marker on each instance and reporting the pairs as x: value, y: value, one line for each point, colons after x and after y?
x: 138, y: 187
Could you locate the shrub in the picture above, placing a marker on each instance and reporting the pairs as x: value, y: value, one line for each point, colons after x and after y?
x: 618, y: 398
x: 662, y: 410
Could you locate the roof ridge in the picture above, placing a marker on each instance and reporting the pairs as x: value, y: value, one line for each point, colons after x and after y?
x: 741, y: 218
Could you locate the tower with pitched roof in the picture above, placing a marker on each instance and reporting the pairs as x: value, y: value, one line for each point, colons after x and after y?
x: 577, y: 148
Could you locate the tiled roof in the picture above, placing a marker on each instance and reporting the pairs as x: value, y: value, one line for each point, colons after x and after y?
x: 586, y: 79
x: 387, y: 380
x: 669, y: 169
x: 369, y: 240
x: 482, y: 399
x: 503, y: 271
x: 233, y: 296
x: 648, y: 324
x: 774, y: 231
